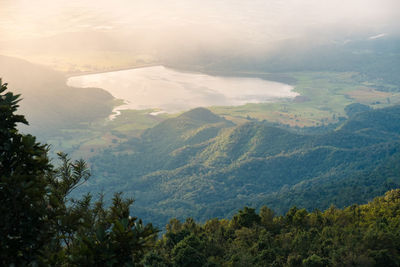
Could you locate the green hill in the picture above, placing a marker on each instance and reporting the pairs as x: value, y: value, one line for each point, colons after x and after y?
x: 203, y: 166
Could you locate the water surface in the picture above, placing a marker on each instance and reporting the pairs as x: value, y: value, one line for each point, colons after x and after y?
x: 172, y: 91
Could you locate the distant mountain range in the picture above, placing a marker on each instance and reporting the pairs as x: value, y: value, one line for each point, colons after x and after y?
x: 376, y: 59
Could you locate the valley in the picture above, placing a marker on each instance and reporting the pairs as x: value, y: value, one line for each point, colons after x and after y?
x: 208, y: 162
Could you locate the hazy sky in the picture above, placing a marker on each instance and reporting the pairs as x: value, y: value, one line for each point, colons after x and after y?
x: 164, y: 26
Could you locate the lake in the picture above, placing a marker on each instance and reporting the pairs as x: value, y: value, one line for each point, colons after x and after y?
x: 169, y: 90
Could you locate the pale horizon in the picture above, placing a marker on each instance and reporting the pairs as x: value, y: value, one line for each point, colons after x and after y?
x: 125, y: 32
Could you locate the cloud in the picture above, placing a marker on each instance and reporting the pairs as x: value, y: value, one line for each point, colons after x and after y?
x: 196, y: 27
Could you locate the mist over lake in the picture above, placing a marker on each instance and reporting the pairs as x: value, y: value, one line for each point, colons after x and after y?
x: 173, y: 91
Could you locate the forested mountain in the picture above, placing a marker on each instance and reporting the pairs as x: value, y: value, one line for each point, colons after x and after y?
x: 203, y: 166
x: 49, y: 103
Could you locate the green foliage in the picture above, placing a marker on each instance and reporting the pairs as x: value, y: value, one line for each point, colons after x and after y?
x: 189, y: 252
x: 357, y: 235
x: 27, y: 206
x: 109, y: 236
x: 355, y: 108
x: 245, y: 218
x: 315, y: 261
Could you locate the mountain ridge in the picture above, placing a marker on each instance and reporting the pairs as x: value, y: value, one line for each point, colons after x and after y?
x: 251, y: 163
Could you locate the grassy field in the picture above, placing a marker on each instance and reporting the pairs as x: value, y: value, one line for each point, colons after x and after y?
x: 89, y: 139
x: 324, y: 95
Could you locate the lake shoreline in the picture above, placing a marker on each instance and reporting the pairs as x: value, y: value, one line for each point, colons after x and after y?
x: 172, y: 90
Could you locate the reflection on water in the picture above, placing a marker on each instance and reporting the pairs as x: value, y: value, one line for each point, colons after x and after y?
x: 172, y: 91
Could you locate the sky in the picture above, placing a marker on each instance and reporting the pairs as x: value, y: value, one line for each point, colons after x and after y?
x: 175, y: 27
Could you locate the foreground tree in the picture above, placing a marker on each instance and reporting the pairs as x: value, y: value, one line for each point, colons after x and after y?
x: 40, y: 225
x: 26, y: 203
